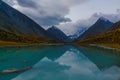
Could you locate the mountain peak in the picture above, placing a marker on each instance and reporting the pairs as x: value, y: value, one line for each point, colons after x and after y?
x: 53, y: 27
x: 102, y: 25
x: 103, y: 19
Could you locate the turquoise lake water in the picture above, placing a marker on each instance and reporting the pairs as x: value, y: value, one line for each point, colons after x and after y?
x: 60, y: 63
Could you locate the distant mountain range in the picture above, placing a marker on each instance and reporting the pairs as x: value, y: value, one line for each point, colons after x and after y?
x: 77, y: 34
x: 102, y: 25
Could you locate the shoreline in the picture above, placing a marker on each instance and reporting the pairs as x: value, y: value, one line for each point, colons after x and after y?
x: 105, y: 47
x: 17, y: 44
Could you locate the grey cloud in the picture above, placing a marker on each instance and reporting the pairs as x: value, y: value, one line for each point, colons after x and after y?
x: 50, y: 20
x: 46, y: 12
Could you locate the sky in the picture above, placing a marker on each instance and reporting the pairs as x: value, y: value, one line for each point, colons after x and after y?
x: 87, y: 9
x: 68, y: 15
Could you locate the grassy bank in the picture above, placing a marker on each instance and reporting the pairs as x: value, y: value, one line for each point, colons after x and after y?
x: 7, y: 43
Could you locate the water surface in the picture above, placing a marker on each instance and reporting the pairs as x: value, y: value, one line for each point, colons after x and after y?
x: 60, y: 63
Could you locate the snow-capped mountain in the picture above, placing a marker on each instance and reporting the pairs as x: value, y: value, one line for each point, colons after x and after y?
x: 78, y: 33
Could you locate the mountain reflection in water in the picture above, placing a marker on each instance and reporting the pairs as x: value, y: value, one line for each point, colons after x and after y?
x: 62, y: 63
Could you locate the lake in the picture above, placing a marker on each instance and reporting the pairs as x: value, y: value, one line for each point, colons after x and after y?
x: 63, y: 62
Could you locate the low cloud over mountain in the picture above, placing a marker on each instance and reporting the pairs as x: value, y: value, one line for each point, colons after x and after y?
x: 71, y: 28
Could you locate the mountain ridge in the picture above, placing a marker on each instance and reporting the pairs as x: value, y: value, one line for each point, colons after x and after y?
x: 110, y: 37
x: 100, y: 26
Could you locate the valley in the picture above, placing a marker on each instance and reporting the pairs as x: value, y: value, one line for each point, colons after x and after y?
x: 18, y: 29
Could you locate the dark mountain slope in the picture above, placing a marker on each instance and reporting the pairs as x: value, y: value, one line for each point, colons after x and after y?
x: 14, y: 21
x: 115, y: 26
x: 58, y: 35
x: 99, y: 27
